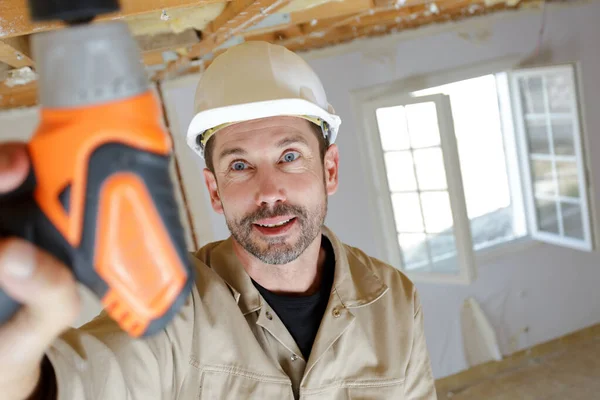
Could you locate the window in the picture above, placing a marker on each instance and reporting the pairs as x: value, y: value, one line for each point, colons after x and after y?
x: 474, y: 164
x: 555, y: 173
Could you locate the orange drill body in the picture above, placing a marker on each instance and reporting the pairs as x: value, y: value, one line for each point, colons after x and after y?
x: 99, y: 196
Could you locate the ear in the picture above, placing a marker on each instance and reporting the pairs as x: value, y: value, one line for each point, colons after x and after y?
x: 331, y: 166
x: 213, y: 191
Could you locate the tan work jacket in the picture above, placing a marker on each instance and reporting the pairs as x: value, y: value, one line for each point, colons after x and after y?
x: 226, y: 343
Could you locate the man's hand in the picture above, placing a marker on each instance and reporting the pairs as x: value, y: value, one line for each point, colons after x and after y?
x: 37, y: 280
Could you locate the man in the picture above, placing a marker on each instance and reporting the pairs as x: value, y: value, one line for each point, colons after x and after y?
x: 281, y: 310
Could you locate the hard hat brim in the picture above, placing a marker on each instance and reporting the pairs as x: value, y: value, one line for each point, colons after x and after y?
x: 209, y: 119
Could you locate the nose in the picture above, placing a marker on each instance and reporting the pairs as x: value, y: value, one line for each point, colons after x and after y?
x: 269, y: 189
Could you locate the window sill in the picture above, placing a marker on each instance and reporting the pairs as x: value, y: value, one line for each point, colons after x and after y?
x: 497, y: 251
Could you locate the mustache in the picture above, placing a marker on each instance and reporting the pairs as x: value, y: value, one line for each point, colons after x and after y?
x: 281, y: 209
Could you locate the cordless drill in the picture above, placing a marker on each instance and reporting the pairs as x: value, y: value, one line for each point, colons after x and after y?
x: 99, y: 196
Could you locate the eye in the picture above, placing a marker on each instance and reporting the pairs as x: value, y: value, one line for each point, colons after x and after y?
x: 238, y: 166
x: 290, y: 156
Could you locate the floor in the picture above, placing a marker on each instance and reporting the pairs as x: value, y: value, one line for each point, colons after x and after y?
x: 569, y: 373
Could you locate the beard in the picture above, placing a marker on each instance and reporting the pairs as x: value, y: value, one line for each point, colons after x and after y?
x: 278, y: 250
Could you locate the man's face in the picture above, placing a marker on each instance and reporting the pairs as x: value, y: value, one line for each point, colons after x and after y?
x: 271, y: 185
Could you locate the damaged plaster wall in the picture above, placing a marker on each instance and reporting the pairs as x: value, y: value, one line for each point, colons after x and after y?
x: 532, y: 295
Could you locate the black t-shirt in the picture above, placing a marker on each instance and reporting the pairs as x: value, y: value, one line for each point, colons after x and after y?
x: 302, y: 315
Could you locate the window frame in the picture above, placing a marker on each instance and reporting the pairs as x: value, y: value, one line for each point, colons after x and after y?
x: 380, y: 192
x: 512, y: 140
x: 583, y: 171
x: 386, y: 246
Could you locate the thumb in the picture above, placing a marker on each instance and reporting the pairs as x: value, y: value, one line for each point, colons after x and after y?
x: 14, y: 166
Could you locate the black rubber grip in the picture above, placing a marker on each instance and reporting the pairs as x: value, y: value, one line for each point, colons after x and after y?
x: 12, y: 206
x: 21, y: 217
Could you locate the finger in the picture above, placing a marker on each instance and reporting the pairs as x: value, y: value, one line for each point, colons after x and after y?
x: 47, y: 291
x: 14, y: 165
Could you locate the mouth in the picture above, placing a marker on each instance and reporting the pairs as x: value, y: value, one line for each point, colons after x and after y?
x: 275, y: 226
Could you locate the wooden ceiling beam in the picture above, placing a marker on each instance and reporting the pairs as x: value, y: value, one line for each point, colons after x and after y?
x: 325, y: 25
x: 16, y: 52
x: 15, y: 21
x: 167, y: 41
x: 18, y: 96
x: 237, y: 16
x: 416, y: 9
x: 332, y: 9
x: 460, y: 9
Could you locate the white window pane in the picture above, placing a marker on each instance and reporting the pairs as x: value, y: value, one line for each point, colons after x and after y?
x: 562, y: 135
x: 436, y: 211
x: 442, y: 246
x: 423, y: 125
x: 547, y: 217
x: 568, y: 183
x: 492, y: 227
x: 560, y: 92
x: 392, y: 128
x: 555, y: 171
x: 537, y: 136
x: 407, y: 212
x: 414, y: 250
x: 543, y: 179
x: 400, y: 171
x: 478, y: 129
x: 532, y: 95
x: 431, y: 173
x: 572, y: 222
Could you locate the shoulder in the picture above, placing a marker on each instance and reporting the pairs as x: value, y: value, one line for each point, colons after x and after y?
x: 397, y: 282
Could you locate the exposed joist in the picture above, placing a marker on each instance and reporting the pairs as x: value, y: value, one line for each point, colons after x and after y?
x: 316, y: 28
x: 454, y: 10
x: 333, y: 9
x: 15, y: 21
x: 18, y: 96
x: 237, y: 16
x: 167, y: 41
x: 16, y: 52
x: 325, y: 25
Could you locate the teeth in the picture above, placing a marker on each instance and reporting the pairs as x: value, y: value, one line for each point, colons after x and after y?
x: 275, y: 225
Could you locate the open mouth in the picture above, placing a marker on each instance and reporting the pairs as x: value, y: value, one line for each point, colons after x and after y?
x: 287, y: 221
x: 275, y: 228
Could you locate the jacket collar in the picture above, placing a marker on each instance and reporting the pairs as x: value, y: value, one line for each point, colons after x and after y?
x: 355, y: 282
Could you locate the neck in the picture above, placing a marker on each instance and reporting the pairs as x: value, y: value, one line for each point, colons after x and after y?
x: 300, y: 277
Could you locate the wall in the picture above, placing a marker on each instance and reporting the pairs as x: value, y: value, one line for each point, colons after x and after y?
x: 550, y: 290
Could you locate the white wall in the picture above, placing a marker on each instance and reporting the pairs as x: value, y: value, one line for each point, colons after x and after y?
x: 550, y: 290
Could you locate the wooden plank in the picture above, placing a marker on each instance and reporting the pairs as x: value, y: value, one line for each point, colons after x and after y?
x: 153, y: 58
x: 18, y: 96
x: 313, y: 33
x: 15, y: 21
x: 333, y: 9
x: 324, y: 25
x: 237, y: 16
x: 167, y: 41
x: 453, y: 10
x: 16, y: 52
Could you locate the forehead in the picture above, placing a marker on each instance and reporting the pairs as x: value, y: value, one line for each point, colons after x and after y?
x: 264, y: 132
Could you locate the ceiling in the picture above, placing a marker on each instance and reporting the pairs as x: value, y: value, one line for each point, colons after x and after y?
x: 183, y: 36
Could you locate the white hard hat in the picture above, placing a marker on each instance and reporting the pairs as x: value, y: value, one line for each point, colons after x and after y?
x: 258, y: 80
